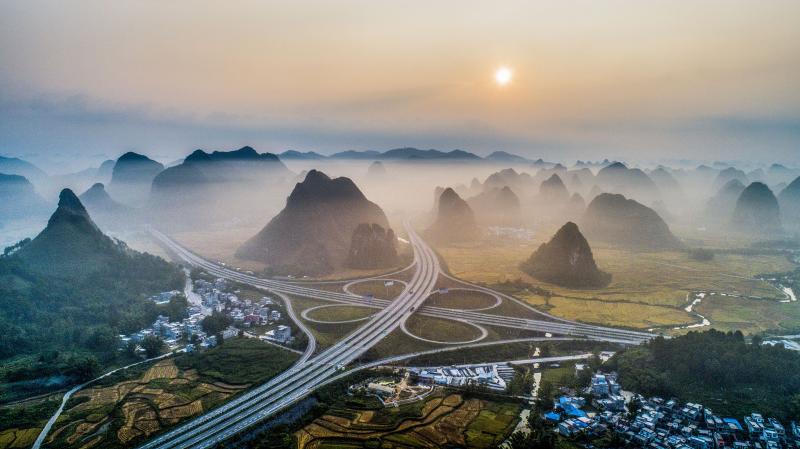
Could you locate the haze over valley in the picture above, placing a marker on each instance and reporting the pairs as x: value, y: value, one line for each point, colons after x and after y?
x: 360, y: 225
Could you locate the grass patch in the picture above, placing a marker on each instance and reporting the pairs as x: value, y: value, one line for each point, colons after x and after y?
x: 397, y: 342
x: 238, y: 361
x: 509, y: 351
x: 342, y: 313
x: 325, y: 334
x: 441, y: 330
x: 377, y: 289
x: 461, y: 299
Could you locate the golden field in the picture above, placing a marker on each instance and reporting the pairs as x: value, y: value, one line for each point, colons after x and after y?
x: 441, y: 420
x: 648, y: 289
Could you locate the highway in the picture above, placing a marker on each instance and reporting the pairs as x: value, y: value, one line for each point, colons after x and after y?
x: 549, y: 324
x: 281, y: 391
x: 312, y: 372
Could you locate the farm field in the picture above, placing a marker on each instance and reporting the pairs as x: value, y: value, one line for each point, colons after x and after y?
x: 442, y: 420
x: 18, y: 438
x: 127, y: 407
x: 749, y: 316
x: 22, y: 421
x: 647, y: 289
x: 616, y: 313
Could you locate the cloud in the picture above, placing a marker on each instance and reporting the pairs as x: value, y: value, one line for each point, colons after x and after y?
x: 43, y: 124
x: 79, y: 129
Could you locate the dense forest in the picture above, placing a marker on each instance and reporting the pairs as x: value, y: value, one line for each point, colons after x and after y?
x: 719, y: 370
x: 71, y: 324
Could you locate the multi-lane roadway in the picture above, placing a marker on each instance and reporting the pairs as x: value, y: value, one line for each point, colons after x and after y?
x: 312, y: 372
x: 548, y: 323
x: 225, y: 421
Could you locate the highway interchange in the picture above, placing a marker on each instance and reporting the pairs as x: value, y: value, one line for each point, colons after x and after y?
x: 312, y: 371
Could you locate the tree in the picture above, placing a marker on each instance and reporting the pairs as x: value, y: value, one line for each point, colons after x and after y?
x: 152, y: 345
x: 176, y: 308
x: 633, y: 408
x: 130, y: 348
x: 521, y: 383
x: 102, y: 339
x: 216, y: 323
x: 83, y: 368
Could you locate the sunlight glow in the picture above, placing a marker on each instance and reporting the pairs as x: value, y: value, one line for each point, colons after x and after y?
x: 503, y: 76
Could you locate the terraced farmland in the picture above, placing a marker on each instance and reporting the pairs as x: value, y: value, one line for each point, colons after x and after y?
x: 442, y: 420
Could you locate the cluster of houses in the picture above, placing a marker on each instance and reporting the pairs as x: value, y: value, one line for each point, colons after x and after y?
x: 492, y: 376
x: 245, y: 313
x: 668, y: 425
x: 205, y: 298
x: 214, y: 295
x: 189, y: 329
x: 665, y: 424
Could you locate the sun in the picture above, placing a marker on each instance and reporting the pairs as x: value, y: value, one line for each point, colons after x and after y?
x: 503, y: 76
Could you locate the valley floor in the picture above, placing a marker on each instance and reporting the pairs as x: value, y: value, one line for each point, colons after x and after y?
x: 648, y: 289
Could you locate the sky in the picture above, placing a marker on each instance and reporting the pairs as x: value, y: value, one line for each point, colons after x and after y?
x: 635, y: 80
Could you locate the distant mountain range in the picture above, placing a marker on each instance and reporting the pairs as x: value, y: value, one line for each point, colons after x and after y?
x: 19, y: 199
x: 16, y: 166
x: 218, y: 185
x: 409, y: 154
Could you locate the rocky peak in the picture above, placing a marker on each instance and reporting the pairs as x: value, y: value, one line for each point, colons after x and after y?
x: 553, y: 189
x: 757, y: 210
x: 455, y: 220
x: 566, y: 260
x: 372, y: 247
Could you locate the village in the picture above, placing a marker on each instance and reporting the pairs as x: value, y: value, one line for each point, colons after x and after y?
x: 598, y: 413
x: 263, y: 318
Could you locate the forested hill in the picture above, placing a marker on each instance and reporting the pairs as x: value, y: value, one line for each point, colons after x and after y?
x: 716, y: 369
x: 73, y: 289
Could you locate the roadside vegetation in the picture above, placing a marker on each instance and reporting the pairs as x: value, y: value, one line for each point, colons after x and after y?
x: 720, y: 370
